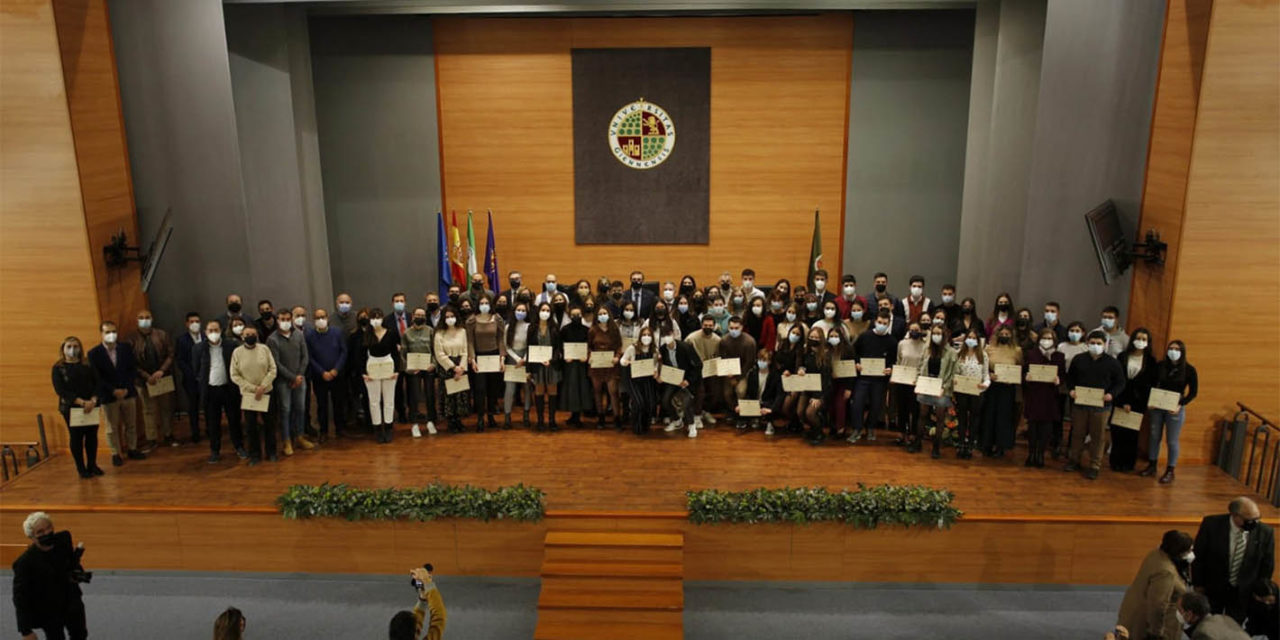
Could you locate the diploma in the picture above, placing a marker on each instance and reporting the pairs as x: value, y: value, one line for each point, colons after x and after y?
x: 845, y: 369
x: 248, y: 403
x: 873, y: 367
x: 515, y: 374
x: 797, y: 383
x: 642, y: 368
x: 488, y: 364
x: 381, y: 369
x: 749, y: 408
x: 81, y: 418
x: 1126, y: 419
x: 1042, y: 373
x: 162, y: 386
x: 575, y: 351
x: 711, y: 367
x: 626, y: 342
x: 458, y: 385
x: 539, y: 354
x: 901, y: 374
x: 1008, y: 373
x: 417, y: 361
x: 728, y: 367
x: 1167, y: 400
x: 927, y: 386
x: 1089, y: 397
x: 671, y: 375
x: 967, y: 385
x: 601, y: 359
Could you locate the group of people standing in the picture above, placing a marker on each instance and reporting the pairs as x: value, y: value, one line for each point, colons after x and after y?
x: 800, y: 358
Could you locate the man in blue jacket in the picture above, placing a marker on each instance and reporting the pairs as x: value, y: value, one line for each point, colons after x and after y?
x: 116, y: 366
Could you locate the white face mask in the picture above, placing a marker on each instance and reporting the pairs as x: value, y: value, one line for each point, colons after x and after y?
x: 946, y: 299
x: 1109, y: 323
x: 545, y: 315
x: 819, y: 285
x: 237, y: 329
x: 1140, y: 344
x: 144, y: 323
x: 300, y: 321
x: 1174, y: 355
x: 214, y: 337
x: 882, y: 328
x: 1050, y: 317
x: 791, y: 316
x: 936, y: 338
x: 375, y: 322
x: 668, y: 340
x: 748, y: 284
x: 646, y: 340
x: 628, y: 314
x: 1075, y: 336
x: 285, y: 328
x: 450, y: 321
x: 829, y: 313
x: 1046, y: 344
x: 484, y: 308
x: 833, y: 340
x: 737, y: 300
x: 1096, y: 349
x: 109, y: 337
x: 849, y: 290
x: 971, y: 342
x: 322, y: 323
x: 1189, y: 557
x: 668, y: 295
x: 759, y: 311
x: 916, y: 292
x: 602, y: 318
x: 194, y: 327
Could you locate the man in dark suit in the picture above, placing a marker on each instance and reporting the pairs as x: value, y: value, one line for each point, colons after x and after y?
x: 116, y: 367
x: 45, y: 594
x: 235, y: 309
x: 211, y: 365
x: 513, y: 279
x: 1233, y: 550
x: 185, y: 357
x: 644, y: 298
x: 678, y: 400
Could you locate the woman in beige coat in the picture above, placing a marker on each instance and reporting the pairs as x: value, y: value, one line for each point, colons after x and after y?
x: 1150, y: 605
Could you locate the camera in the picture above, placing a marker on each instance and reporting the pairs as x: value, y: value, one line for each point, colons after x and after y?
x: 417, y: 584
x: 80, y: 576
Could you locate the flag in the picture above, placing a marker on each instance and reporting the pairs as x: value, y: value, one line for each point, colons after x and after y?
x: 456, y: 258
x: 815, y: 250
x: 442, y: 256
x: 472, y: 267
x: 491, y: 259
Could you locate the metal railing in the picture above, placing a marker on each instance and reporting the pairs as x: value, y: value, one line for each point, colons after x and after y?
x: 1251, y: 452
x: 33, y: 452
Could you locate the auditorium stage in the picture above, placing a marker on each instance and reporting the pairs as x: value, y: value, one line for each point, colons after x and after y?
x: 174, y: 510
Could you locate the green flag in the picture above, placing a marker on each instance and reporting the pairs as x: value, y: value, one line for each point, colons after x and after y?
x: 472, y: 267
x: 815, y: 251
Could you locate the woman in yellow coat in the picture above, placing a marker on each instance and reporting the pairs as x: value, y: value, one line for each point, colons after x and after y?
x: 1150, y: 605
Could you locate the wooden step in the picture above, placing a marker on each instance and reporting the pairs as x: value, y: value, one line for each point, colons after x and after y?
x: 656, y: 570
x: 610, y: 616
x: 613, y: 583
x: 608, y: 631
x: 606, y: 554
x: 656, y: 596
x: 614, y: 539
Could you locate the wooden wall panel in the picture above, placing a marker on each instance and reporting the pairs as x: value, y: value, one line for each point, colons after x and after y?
x: 46, y: 278
x: 777, y: 153
x: 1227, y: 295
x: 1186, y: 32
x: 97, y: 122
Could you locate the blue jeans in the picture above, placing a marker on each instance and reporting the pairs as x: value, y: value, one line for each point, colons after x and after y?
x: 1162, y: 420
x: 293, y: 409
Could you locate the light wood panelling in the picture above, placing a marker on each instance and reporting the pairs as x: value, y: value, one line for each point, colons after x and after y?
x: 1186, y: 31
x: 779, y: 88
x: 1227, y: 295
x: 46, y: 279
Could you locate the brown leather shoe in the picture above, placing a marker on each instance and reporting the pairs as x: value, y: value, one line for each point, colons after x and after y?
x: 1167, y: 477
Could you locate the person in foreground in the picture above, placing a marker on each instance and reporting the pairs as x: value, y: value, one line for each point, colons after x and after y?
x: 1233, y: 550
x: 46, y: 583
x: 429, y: 611
x: 1199, y: 624
x: 1150, y: 606
x: 229, y: 625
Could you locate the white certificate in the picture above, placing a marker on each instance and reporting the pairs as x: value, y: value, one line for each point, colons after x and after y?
x: 1007, y: 373
x: 601, y: 359
x: 642, y: 368
x: 81, y: 418
x: 873, y: 367
x: 927, y: 386
x: 1167, y: 400
x: 417, y: 361
x: 845, y: 369
x: 575, y: 351
x: 161, y: 387
x: 728, y: 367
x: 1042, y: 373
x: 539, y: 354
x: 488, y: 364
x: 1126, y: 419
x: 248, y: 403
x: 456, y: 385
x: 749, y: 408
x: 515, y: 374
x: 671, y: 375
x: 902, y: 374
x: 710, y: 367
x: 1089, y: 397
x: 967, y: 385
x: 381, y: 369
x: 796, y: 383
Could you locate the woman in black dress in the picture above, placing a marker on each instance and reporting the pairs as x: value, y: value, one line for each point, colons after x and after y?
x: 77, y: 385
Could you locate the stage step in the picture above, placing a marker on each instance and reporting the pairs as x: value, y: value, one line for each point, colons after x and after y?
x: 599, y: 585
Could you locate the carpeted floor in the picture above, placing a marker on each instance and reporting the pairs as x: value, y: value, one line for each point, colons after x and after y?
x: 145, y: 606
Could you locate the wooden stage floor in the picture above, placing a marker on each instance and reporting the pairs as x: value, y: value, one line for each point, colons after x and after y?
x: 585, y: 470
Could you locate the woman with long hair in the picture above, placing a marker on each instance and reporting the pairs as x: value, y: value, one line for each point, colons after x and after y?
x: 517, y: 342
x: 937, y: 360
x: 1000, y: 419
x: 544, y: 331
x: 814, y: 361
x: 605, y: 336
x: 76, y: 385
x: 451, y: 363
x: 759, y: 324
x: 971, y: 362
x: 644, y: 390
x: 1176, y: 374
x: 1139, y: 367
x: 1040, y: 399
x: 485, y: 332
x: 1001, y: 314
x: 378, y: 344
x: 229, y: 625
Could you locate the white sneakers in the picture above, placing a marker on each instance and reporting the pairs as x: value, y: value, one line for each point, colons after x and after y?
x: 417, y: 433
x: 431, y: 428
x: 673, y: 426
x: 693, y: 431
x: 768, y: 429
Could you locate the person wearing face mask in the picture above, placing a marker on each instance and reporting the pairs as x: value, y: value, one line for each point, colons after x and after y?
x: 514, y: 280
x: 1198, y: 623
x: 1150, y: 605
x: 253, y: 370
x: 903, y: 396
x: 971, y: 362
x: 839, y: 348
x: 820, y: 293
x: 698, y: 302
x: 454, y: 295
x: 763, y: 384
x: 749, y: 288
x: 1174, y: 374
x: 938, y: 360
x: 549, y: 289
x: 669, y: 293
x: 605, y: 336
x: 485, y: 338
x: 575, y: 385
x: 849, y: 295
x: 663, y: 325
x: 477, y: 289
x: 1023, y: 335
x: 737, y: 302
x: 1233, y: 550
x: 787, y: 360
x: 869, y: 387
x: 46, y: 593
x: 450, y: 346
x: 344, y: 314
x: 643, y: 298
x: 791, y: 317
x: 289, y: 348
x: 814, y: 360
x: 465, y: 310
x: 502, y: 308
x: 706, y: 343
x: 1117, y: 340
x: 811, y: 313
x: 184, y: 358
x: 969, y: 320
x: 379, y: 343
x: 326, y: 364
x: 678, y: 400
x: 1040, y: 402
x: 220, y: 396
x: 643, y: 391
x: 545, y: 331
x: 309, y: 429
x: 949, y: 305
x: 857, y: 321
x: 1139, y: 367
x: 1001, y: 314
x: 265, y: 323
x: 687, y: 321
x: 76, y: 385
x: 718, y: 311
x: 1073, y: 346
x: 915, y: 304
x: 898, y: 323
x: 1096, y: 370
x: 154, y: 353
x: 688, y: 285
x: 1052, y: 321
x: 516, y: 339
x: 740, y: 345
x: 116, y: 367
x: 1000, y: 418
x: 420, y: 383
x: 758, y: 323
x: 880, y: 291
x: 581, y: 294
x: 829, y: 319
x: 234, y: 311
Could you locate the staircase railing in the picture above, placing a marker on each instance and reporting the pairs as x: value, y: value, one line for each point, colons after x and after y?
x: 1249, y: 450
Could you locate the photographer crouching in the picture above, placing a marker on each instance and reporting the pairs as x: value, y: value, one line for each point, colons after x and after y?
x: 46, y: 583
x: 428, y: 612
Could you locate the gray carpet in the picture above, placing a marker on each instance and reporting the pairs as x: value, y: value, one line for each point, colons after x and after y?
x: 143, y: 606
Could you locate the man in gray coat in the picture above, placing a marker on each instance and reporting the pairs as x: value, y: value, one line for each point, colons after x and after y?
x: 289, y: 348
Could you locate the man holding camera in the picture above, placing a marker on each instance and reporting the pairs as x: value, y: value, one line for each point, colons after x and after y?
x: 406, y: 625
x: 46, y: 583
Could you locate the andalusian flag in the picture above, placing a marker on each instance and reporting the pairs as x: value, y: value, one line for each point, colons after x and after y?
x: 815, y: 251
x: 472, y: 267
x: 457, y: 262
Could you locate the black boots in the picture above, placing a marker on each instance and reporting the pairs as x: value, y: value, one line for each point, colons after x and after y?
x: 1167, y: 478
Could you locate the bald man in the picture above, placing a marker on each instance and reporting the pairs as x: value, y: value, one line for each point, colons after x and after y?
x: 1232, y: 551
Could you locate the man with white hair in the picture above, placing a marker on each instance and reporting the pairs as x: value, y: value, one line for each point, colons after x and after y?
x: 1232, y: 551
x: 46, y: 591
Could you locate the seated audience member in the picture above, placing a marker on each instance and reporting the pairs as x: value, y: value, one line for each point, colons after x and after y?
x: 1200, y: 624
x: 1095, y: 370
x: 1262, y: 618
x: 428, y: 611
x: 677, y: 400
x: 763, y: 384
x: 1149, y: 608
x: 229, y: 625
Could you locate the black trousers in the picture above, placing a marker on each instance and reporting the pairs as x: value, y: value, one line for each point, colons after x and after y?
x: 968, y: 416
x: 327, y: 391
x: 73, y: 621
x: 84, y: 444
x: 264, y: 431
x: 218, y: 401
x: 868, y: 399
x: 422, y: 388
x: 192, y: 389
x: 904, y: 396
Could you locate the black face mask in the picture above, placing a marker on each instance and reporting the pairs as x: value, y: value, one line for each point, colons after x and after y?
x: 266, y: 315
x: 636, y: 284
x: 1003, y: 306
x: 814, y: 343
x: 418, y: 322
x: 559, y: 306
x: 432, y: 306
x: 476, y: 286
x: 234, y: 307
x: 514, y: 282
x: 522, y: 298
x: 686, y: 288
x: 916, y: 335
x: 1023, y: 323
x: 1249, y: 525
x: 881, y: 287
x: 968, y: 311
x: 251, y: 340
x: 708, y: 330
x: 1004, y: 339
x: 364, y: 322
x: 660, y: 314
x: 616, y: 295
x: 46, y: 540
x: 576, y: 318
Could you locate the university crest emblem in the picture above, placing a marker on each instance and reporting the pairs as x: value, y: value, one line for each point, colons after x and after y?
x: 642, y: 135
